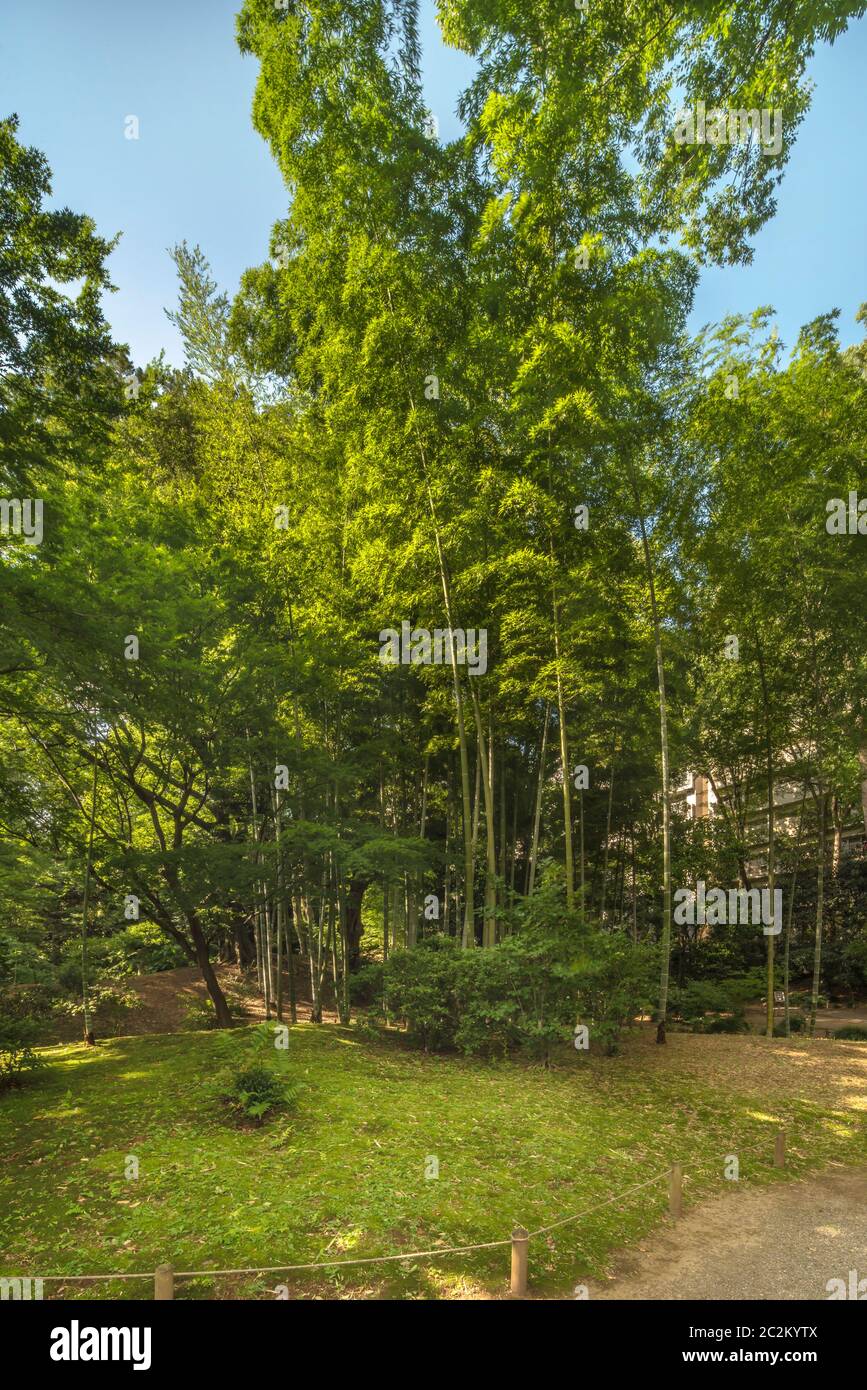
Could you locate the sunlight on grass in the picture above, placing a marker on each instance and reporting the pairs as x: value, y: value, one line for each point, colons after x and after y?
x: 344, y: 1172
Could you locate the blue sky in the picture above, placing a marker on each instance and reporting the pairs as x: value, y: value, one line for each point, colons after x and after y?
x: 199, y: 172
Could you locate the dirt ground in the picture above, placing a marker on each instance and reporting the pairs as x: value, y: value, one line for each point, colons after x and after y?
x: 166, y: 999
x: 827, y: 1020
x: 818, y: 1069
x: 779, y: 1242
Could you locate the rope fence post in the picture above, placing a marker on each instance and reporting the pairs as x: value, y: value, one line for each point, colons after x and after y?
x: 780, y: 1149
x: 164, y: 1282
x: 520, y: 1258
x: 675, y: 1191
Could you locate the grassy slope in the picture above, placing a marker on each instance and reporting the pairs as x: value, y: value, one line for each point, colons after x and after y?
x: 346, y: 1172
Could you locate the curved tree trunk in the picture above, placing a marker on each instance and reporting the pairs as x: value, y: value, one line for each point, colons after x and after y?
x: 354, y: 897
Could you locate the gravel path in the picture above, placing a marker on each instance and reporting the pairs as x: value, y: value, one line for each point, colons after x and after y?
x: 785, y: 1241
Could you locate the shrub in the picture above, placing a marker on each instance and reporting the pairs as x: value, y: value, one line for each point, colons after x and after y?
x: 740, y: 989
x: 23, y: 963
x: 365, y: 984
x: 142, y: 948
x: 69, y: 971
x: 261, y: 1084
x: 368, y: 1026
x: 797, y: 1024
x: 200, y: 1015
x: 693, y: 1000
x: 726, y: 996
x: 110, y: 1007
x: 526, y: 992
x: 851, y: 1034
x: 28, y: 1001
x: 17, y: 1055
x: 734, y: 1023
x: 256, y: 1091
x: 803, y: 999
x: 420, y: 987
x: 484, y: 1002
x: 616, y: 980
x: 494, y: 999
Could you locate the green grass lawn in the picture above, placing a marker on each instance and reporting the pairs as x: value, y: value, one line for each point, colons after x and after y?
x: 344, y: 1175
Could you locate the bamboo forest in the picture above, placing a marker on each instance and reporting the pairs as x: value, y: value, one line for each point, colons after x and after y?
x: 433, y: 701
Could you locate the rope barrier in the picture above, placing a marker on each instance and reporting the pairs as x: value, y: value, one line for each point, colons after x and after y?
x: 408, y: 1255
x: 364, y: 1260
x: 284, y: 1269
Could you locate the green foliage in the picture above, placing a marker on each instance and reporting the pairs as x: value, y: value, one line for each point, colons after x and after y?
x: 18, y: 1058
x: 698, y: 998
x: 199, y: 1013
x: 851, y: 1034
x: 797, y: 1024
x: 801, y: 999
x: 526, y: 992
x: 402, y: 258
x: 258, y: 1091
x: 618, y: 983
x: 420, y: 988
x: 263, y: 1083
x: 735, y: 1024
x: 23, y: 963
x: 142, y: 948
x: 35, y: 1002
x: 365, y: 984
x: 109, y: 1003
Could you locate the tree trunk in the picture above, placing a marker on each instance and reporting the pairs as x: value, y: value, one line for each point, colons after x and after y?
x: 820, y: 909
x: 788, y: 941
x: 837, y: 842
x: 489, y: 924
x: 502, y: 858
x: 607, y: 840
x: 769, y: 772
x: 212, y: 984
x: 468, y: 937
x: 665, y: 943
x: 290, y: 960
x: 564, y: 763
x: 534, y: 846
x: 634, y: 898
x: 355, y: 894
x: 89, y: 1037
x: 280, y: 905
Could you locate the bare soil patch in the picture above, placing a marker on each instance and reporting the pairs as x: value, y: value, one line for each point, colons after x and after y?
x: 780, y: 1242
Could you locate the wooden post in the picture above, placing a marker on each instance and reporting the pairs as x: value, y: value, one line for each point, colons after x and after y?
x: 164, y: 1282
x: 780, y: 1149
x: 675, y: 1192
x: 520, y: 1253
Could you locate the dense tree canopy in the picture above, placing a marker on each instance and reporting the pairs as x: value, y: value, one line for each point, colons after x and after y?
x: 459, y: 399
